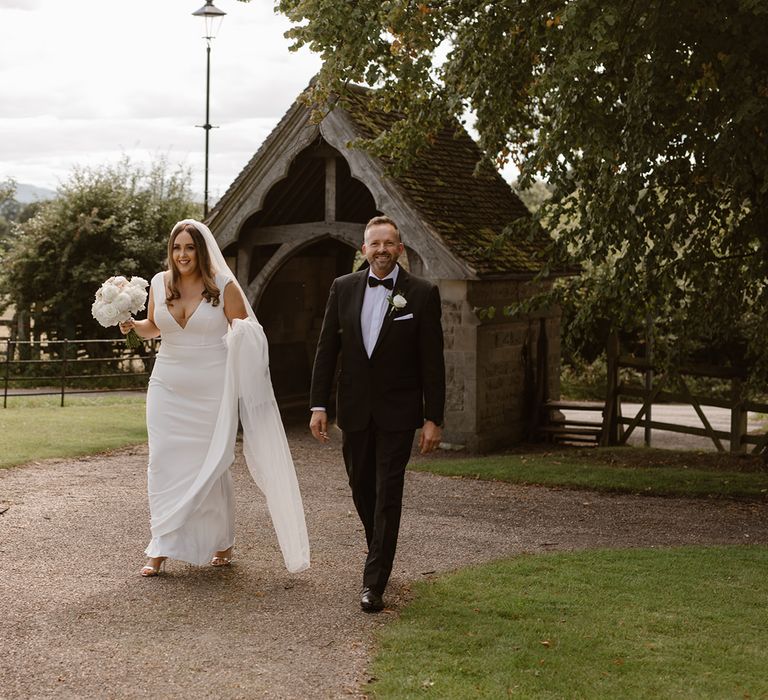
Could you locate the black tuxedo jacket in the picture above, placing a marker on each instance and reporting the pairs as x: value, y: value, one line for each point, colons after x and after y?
x: 403, y: 382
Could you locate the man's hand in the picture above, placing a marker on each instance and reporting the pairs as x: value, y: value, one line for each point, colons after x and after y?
x: 318, y: 424
x: 430, y: 437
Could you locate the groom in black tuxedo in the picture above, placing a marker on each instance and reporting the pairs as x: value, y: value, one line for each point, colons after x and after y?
x: 386, y: 323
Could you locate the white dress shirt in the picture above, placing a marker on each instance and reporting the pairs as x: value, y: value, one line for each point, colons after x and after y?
x: 374, y: 310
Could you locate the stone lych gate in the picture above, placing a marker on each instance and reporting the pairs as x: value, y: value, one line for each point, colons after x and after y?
x: 293, y: 220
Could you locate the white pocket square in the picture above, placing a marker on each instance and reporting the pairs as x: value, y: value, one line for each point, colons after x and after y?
x: 403, y: 318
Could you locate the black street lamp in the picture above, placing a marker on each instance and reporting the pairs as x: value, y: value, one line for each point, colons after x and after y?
x: 212, y: 16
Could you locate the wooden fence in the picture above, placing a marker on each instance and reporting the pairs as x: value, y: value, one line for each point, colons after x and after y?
x: 671, y: 387
x: 61, y: 367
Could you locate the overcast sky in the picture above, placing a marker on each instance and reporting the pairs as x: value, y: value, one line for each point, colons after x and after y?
x: 84, y: 82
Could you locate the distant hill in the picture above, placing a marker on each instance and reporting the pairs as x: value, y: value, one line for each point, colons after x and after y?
x: 30, y: 193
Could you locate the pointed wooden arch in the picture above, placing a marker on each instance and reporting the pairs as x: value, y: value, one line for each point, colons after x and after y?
x: 344, y: 233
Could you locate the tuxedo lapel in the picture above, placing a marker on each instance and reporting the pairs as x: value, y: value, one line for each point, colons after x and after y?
x: 358, y: 294
x: 401, y: 287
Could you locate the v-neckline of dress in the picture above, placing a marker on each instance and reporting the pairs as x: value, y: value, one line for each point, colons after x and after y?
x: 189, y: 318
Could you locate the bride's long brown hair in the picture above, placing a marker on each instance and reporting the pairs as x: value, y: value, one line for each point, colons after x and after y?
x: 211, y: 292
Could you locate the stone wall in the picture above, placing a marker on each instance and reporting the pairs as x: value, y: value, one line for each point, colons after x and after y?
x: 459, y: 332
x: 490, y: 364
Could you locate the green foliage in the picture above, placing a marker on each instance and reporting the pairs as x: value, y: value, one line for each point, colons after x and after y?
x: 584, y: 381
x: 534, y: 196
x: 12, y: 211
x: 7, y: 210
x: 676, y: 623
x: 647, y: 121
x: 8, y: 205
x: 105, y: 221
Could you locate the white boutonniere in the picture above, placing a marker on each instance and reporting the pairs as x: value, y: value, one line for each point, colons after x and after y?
x: 396, y: 301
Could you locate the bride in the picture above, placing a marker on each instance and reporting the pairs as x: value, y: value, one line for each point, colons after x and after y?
x: 212, y: 361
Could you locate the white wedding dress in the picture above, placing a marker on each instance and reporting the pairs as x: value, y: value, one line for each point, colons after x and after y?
x: 183, y: 402
x: 208, y: 378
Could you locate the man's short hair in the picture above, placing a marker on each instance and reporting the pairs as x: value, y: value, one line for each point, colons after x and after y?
x: 377, y: 220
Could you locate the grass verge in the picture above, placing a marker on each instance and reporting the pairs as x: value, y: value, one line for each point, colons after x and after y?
x: 677, y: 623
x: 622, y: 470
x: 38, y: 428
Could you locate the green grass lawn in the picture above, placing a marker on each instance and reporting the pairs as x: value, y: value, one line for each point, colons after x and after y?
x: 624, y: 470
x: 675, y: 623
x: 38, y: 428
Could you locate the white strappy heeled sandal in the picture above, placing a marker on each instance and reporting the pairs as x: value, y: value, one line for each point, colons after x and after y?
x: 149, y: 570
x: 220, y: 559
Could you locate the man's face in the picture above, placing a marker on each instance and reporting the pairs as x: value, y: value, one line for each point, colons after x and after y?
x: 382, y: 248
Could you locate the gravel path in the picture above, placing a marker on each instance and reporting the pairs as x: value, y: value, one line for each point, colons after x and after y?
x: 76, y: 620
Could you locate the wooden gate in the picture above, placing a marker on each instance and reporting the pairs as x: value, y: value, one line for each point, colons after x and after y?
x: 670, y: 386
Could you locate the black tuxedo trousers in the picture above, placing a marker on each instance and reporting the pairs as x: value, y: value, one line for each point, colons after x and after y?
x: 375, y: 460
x: 381, y: 399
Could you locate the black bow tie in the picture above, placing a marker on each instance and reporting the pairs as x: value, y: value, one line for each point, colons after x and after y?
x: 389, y: 283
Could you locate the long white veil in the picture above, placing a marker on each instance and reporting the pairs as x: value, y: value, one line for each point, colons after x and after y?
x: 248, y: 385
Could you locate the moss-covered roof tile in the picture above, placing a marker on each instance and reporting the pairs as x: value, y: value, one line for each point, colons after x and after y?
x: 467, y: 210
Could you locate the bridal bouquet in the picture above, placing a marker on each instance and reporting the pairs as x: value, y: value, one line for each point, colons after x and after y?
x: 117, y: 300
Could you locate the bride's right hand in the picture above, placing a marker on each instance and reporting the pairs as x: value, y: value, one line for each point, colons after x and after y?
x: 126, y: 326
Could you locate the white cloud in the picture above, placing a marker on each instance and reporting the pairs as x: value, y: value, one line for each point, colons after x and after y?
x: 19, y: 4
x: 85, y: 83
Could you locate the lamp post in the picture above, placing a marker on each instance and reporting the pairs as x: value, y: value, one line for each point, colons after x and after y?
x: 212, y: 16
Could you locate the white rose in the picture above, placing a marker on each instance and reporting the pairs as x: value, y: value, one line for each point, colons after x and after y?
x: 139, y: 282
x: 120, y: 281
x: 123, y: 302
x: 107, y: 315
x: 97, y: 310
x: 96, y: 307
x: 399, y: 301
x: 109, y: 292
x: 138, y: 297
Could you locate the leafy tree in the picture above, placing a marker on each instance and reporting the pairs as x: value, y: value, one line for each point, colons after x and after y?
x: 12, y: 211
x: 105, y: 221
x: 534, y: 196
x: 646, y: 119
x: 8, y: 209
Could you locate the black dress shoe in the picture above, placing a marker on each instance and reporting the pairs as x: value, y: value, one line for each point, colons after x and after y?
x: 370, y: 601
